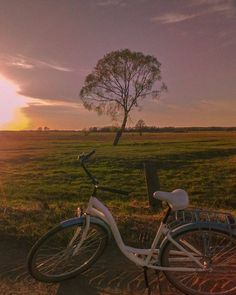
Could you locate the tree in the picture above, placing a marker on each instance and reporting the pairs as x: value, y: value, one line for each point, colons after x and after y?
x: 118, y: 83
x: 139, y: 126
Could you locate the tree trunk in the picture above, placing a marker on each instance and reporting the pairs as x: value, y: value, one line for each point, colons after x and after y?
x: 120, y: 131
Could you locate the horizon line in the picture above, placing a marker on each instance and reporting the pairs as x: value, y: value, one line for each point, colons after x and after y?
x: 128, y: 128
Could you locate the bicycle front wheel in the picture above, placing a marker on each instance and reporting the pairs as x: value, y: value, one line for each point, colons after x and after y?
x: 215, y: 249
x: 62, y: 254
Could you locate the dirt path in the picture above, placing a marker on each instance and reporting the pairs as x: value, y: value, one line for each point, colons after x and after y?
x: 113, y: 274
x: 14, y: 278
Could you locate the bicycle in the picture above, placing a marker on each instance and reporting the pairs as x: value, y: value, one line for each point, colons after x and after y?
x: 198, y: 258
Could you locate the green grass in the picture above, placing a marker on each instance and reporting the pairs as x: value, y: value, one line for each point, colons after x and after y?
x: 42, y: 183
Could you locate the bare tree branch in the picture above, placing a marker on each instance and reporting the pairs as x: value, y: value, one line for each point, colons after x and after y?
x: 119, y: 82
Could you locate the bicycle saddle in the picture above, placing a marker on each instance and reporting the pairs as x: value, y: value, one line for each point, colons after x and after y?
x: 177, y: 200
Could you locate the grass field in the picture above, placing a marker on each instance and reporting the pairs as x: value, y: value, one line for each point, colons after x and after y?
x: 42, y: 183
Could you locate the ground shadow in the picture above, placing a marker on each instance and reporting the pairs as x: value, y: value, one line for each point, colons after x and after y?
x: 114, y: 274
x: 14, y: 277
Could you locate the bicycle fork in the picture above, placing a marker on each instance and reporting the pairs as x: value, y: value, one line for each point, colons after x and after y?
x: 83, y: 237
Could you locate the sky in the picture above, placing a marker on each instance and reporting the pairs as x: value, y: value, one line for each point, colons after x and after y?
x: 47, y: 47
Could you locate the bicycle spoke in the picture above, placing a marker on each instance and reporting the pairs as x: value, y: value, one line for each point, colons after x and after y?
x: 63, y: 253
x: 218, y: 254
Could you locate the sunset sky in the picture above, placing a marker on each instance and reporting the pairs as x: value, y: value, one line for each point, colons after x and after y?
x: 47, y: 47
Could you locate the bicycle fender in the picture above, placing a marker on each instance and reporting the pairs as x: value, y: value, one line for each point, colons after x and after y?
x: 82, y: 220
x: 196, y: 225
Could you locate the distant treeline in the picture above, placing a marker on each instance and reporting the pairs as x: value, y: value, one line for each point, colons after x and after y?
x: 160, y: 129
x: 141, y: 129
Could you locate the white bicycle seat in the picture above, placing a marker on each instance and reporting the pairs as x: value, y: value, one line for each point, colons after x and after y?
x: 177, y: 200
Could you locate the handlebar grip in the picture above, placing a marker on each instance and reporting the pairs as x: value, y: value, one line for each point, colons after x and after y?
x: 83, y: 157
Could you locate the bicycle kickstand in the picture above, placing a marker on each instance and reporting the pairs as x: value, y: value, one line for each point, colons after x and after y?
x: 146, y: 279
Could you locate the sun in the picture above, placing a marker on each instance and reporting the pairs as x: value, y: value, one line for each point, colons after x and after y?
x: 11, y: 104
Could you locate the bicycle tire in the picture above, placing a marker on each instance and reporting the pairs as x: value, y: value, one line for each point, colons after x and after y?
x: 60, y: 251
x: 220, y: 254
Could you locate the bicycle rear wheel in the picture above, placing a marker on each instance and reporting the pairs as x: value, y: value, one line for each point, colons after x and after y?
x: 60, y: 254
x: 215, y: 249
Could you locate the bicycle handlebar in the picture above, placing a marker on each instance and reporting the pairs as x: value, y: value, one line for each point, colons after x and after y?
x: 84, y: 157
x: 113, y: 190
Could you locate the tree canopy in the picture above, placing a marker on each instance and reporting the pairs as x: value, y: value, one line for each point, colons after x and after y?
x: 119, y: 82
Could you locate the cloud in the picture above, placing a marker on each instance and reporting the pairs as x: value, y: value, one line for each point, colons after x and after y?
x: 170, y: 18
x: 199, y: 8
x: 225, y: 7
x: 104, y: 3
x: 197, y: 112
x: 21, y: 64
x: 55, y: 103
x: 51, y: 65
x: 26, y: 63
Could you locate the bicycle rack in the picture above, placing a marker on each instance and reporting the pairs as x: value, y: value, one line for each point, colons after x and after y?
x: 193, y: 215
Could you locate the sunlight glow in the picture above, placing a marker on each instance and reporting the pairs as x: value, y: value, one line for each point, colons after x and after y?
x: 11, y: 104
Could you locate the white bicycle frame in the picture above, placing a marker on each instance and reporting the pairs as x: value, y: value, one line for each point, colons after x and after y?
x: 142, y: 257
